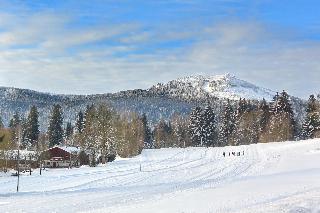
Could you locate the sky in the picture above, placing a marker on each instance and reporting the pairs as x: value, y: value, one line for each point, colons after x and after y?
x: 100, y: 46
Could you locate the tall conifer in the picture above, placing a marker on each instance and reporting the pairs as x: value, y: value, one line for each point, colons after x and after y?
x: 32, y: 126
x: 55, y: 129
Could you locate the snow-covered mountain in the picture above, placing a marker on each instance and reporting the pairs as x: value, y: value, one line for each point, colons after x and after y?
x: 159, y: 101
x: 219, y: 86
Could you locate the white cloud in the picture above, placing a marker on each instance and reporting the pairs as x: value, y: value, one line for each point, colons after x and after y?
x: 249, y: 50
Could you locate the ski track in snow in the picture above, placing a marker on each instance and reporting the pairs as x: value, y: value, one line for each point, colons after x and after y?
x: 170, y: 174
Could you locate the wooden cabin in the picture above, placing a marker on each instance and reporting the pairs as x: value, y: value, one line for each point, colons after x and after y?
x: 62, y: 157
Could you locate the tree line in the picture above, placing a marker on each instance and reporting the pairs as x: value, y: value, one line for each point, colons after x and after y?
x: 101, y: 131
x: 243, y: 123
x: 98, y: 131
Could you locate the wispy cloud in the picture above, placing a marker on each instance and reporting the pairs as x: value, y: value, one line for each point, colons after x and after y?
x: 52, y: 51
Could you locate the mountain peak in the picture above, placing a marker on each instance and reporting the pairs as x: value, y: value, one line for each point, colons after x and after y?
x: 198, y: 77
x: 226, y: 86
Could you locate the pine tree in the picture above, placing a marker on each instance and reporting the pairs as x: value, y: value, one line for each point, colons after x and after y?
x: 265, y: 115
x: 281, y: 103
x: 227, y: 125
x: 274, y: 104
x: 68, y: 131
x: 312, y: 121
x: 312, y: 104
x: 281, y: 125
x: 146, y: 131
x: 195, y: 126
x: 32, y: 126
x: 242, y: 107
x: 310, y: 125
x: 287, y: 108
x: 55, y: 129
x: 238, y: 133
x: 208, y: 130
x: 15, y: 121
x: 79, y: 122
x: 284, y: 103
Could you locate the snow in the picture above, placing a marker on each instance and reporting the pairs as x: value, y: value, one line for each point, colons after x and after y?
x: 70, y: 149
x: 24, y: 154
x: 227, y: 86
x: 272, y: 177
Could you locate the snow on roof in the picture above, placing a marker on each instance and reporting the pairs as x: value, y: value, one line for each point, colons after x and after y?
x: 70, y: 149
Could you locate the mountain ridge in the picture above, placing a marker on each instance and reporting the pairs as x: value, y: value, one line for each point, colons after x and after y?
x: 160, y: 101
x: 225, y: 78
x: 225, y: 86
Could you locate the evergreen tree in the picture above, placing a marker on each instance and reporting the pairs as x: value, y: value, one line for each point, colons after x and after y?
x: 15, y: 121
x: 55, y: 129
x: 242, y: 107
x: 287, y: 108
x: 32, y: 126
x: 265, y: 115
x: 281, y: 125
x: 274, y: 104
x: 68, y: 131
x: 227, y: 125
x: 310, y: 125
x: 312, y: 104
x: 284, y: 103
x: 281, y: 103
x: 146, y: 132
x: 195, y: 127
x: 208, y: 129
x: 79, y: 122
x: 312, y: 121
x: 238, y: 130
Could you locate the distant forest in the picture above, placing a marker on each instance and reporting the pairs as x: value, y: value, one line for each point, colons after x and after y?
x: 100, y: 130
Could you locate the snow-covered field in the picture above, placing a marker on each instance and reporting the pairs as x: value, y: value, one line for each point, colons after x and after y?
x: 274, y: 177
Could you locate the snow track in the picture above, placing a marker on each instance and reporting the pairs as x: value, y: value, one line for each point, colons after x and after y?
x: 165, y: 174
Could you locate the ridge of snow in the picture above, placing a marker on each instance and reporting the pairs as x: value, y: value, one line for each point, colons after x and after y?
x: 221, y: 86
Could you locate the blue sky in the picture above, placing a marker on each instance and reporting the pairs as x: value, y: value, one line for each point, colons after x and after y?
x: 86, y: 47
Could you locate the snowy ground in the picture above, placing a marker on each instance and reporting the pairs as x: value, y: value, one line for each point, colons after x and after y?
x: 274, y: 177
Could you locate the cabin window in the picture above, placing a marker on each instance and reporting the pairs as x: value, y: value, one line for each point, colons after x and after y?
x: 48, y: 163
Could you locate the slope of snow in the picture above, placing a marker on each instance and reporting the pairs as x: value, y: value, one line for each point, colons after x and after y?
x: 219, y: 86
x: 228, y: 86
x: 274, y: 177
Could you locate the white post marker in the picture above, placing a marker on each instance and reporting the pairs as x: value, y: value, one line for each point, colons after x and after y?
x: 18, y: 160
